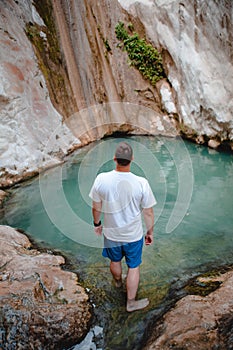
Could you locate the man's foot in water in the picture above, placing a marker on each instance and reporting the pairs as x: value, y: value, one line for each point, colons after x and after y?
x: 133, y: 305
x: 119, y: 283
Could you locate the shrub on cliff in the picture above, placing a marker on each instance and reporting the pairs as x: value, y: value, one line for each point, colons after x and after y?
x: 142, y: 55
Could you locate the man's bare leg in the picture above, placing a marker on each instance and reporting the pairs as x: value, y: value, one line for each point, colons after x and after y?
x: 132, y: 283
x: 116, y: 271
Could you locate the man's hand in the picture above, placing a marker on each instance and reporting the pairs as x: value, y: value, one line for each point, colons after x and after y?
x: 98, y: 230
x: 149, y: 221
x: 149, y: 239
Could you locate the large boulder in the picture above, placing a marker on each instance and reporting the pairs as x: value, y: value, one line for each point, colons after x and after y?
x: 198, y: 322
x: 42, y: 305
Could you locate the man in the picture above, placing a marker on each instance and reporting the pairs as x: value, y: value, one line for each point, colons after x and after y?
x: 122, y: 196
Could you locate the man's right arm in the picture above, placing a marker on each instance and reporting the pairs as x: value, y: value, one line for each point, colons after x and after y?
x: 148, y: 214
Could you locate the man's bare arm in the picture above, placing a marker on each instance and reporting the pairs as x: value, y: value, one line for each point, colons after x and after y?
x: 96, y: 211
x: 148, y: 214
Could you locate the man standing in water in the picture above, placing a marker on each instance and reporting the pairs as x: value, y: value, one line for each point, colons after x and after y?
x: 121, y: 196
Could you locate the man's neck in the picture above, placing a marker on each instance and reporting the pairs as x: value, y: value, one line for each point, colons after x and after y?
x: 123, y: 169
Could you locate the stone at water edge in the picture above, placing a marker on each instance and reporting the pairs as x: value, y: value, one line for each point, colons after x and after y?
x: 213, y: 143
x: 197, y: 322
x: 42, y: 305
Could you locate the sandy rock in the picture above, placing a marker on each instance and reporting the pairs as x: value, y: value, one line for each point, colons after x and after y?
x: 198, y: 322
x: 42, y: 305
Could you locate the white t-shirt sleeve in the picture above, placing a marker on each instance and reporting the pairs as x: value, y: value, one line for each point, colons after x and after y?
x: 148, y: 199
x: 94, y: 195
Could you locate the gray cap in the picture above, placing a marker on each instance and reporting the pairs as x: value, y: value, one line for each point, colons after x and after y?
x: 124, y: 151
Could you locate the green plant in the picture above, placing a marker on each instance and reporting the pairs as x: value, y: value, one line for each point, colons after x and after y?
x: 142, y: 55
x: 121, y: 32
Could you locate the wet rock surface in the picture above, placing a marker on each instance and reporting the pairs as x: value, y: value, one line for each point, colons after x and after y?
x: 198, y: 322
x: 42, y: 306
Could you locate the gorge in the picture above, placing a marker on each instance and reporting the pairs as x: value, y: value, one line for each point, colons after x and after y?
x: 67, y: 81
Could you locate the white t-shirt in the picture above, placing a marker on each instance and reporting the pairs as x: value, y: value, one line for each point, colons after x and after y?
x: 123, y: 196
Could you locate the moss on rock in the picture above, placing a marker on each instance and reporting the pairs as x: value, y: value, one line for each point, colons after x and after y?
x: 45, y: 41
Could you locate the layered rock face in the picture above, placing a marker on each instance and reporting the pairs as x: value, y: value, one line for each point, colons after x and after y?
x: 196, y: 38
x: 30, y: 127
x: 65, y: 81
x: 42, y: 306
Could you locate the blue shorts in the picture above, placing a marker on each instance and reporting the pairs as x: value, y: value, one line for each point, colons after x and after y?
x: 132, y: 252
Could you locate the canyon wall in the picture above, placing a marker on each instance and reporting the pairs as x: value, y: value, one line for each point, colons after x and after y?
x: 27, y: 117
x: 196, y: 38
x: 66, y: 81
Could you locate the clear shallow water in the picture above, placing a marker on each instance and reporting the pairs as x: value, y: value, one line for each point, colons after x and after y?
x: 193, y: 232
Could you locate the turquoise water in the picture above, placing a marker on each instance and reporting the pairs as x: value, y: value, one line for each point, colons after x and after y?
x: 193, y: 186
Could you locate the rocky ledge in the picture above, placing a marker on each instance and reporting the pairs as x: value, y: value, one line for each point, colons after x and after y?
x: 42, y: 306
x: 198, y: 322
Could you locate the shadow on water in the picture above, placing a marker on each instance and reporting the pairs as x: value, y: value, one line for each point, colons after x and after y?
x: 202, y: 239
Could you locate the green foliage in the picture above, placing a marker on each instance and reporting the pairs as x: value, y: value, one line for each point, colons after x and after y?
x: 142, y: 55
x: 121, y: 32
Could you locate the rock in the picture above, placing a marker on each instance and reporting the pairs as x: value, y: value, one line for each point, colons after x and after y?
x: 167, y: 98
x: 200, y: 139
x: 213, y: 143
x: 198, y: 322
x: 42, y: 306
x: 3, y: 195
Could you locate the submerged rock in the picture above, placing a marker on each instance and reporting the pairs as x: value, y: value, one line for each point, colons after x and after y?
x: 42, y: 306
x: 198, y: 322
x: 3, y: 195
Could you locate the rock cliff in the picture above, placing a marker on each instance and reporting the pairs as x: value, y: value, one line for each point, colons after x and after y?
x: 196, y: 39
x: 42, y: 306
x: 66, y: 80
x: 27, y: 117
